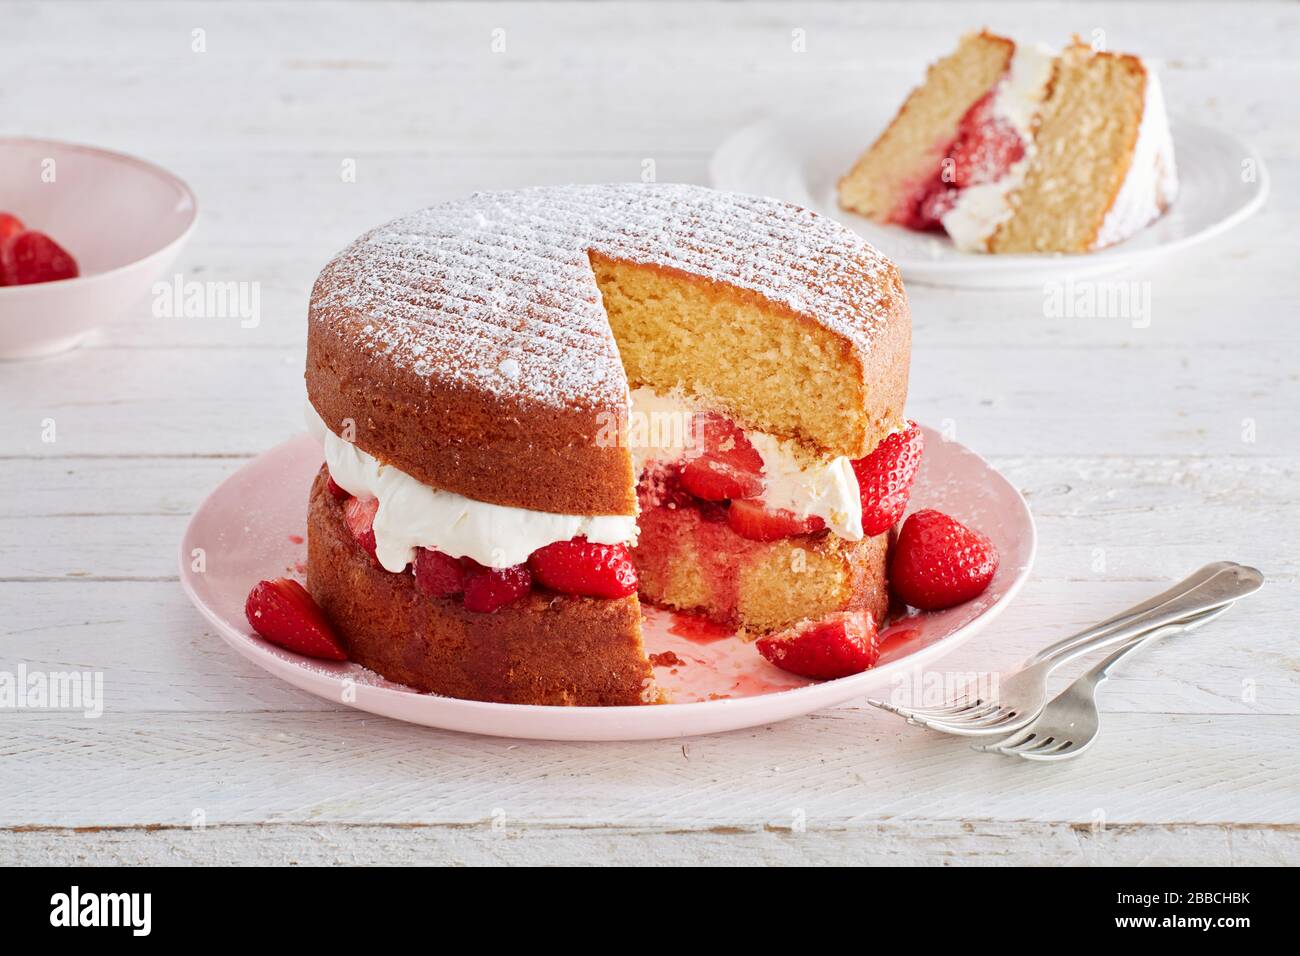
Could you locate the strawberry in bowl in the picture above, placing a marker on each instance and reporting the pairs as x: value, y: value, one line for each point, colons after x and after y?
x: 28, y: 257
x: 84, y: 234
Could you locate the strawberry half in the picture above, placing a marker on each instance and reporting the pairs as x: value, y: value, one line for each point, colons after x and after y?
x: 359, y: 515
x: 30, y: 257
x: 714, y: 480
x: 838, y: 645
x: 438, y: 575
x: 581, y: 567
x: 488, y: 589
x: 726, y: 466
x: 885, y: 478
x: 750, y: 519
x: 939, y: 562
x: 284, y: 613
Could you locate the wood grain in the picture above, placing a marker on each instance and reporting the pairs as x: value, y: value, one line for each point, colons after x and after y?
x: 1143, y: 451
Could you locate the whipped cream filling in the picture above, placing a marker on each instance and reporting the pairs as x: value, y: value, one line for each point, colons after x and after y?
x: 980, y: 209
x: 659, y: 429
x: 413, y: 515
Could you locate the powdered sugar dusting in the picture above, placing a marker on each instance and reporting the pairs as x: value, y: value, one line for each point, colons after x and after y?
x: 496, y: 291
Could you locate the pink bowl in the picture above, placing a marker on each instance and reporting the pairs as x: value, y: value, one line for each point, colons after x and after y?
x: 122, y: 218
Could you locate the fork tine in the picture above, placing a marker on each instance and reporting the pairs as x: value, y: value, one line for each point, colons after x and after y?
x: 966, y: 706
x: 935, y: 724
x: 989, y: 722
x: 955, y: 708
x: 970, y: 715
x: 1044, y: 744
x: 1001, y: 715
x: 1066, y: 749
x: 900, y: 709
x: 1004, y: 746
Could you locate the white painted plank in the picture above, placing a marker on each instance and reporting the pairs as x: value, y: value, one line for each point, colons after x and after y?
x: 835, y: 770
x: 884, y: 844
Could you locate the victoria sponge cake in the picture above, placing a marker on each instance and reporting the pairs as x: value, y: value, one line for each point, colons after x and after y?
x: 541, y: 407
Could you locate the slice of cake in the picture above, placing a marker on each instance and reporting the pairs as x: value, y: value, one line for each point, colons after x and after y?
x: 1014, y: 148
x: 490, y: 507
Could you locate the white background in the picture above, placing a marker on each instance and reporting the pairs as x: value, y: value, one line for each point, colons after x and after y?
x: 1129, y: 444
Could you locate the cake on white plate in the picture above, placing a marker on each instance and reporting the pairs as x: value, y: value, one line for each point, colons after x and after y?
x: 1018, y: 148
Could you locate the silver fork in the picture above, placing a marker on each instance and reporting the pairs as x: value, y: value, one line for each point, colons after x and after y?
x: 1069, y: 724
x: 1022, y: 695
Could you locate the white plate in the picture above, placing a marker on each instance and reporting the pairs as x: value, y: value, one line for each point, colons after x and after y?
x: 252, y: 527
x: 801, y: 159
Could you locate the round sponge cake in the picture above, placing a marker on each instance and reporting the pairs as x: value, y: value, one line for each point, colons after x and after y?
x: 486, y: 346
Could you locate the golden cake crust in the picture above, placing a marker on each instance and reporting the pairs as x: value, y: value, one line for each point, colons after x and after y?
x: 544, y: 649
x: 468, y: 345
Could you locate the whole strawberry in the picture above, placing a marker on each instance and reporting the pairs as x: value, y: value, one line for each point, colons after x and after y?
x: 885, y: 478
x: 284, y: 613
x: 837, y: 645
x: 31, y: 257
x: 938, y: 562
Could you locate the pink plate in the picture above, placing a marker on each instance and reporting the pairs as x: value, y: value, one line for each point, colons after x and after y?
x: 124, y: 220
x: 252, y: 527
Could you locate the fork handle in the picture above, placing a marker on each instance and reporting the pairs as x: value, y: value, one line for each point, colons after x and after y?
x: 1214, y: 586
x: 1100, y: 672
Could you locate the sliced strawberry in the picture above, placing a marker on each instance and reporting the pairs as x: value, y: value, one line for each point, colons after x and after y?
x: 487, y: 589
x: 885, y: 478
x: 31, y: 257
x: 715, y: 480
x: 284, y: 613
x: 723, y: 464
x: 335, y: 489
x: 939, y: 562
x: 722, y: 439
x: 438, y: 575
x: 750, y: 519
x: 581, y: 567
x: 838, y: 645
x: 359, y: 515
x: 985, y: 148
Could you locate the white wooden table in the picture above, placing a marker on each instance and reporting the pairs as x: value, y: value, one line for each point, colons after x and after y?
x: 1144, y: 452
